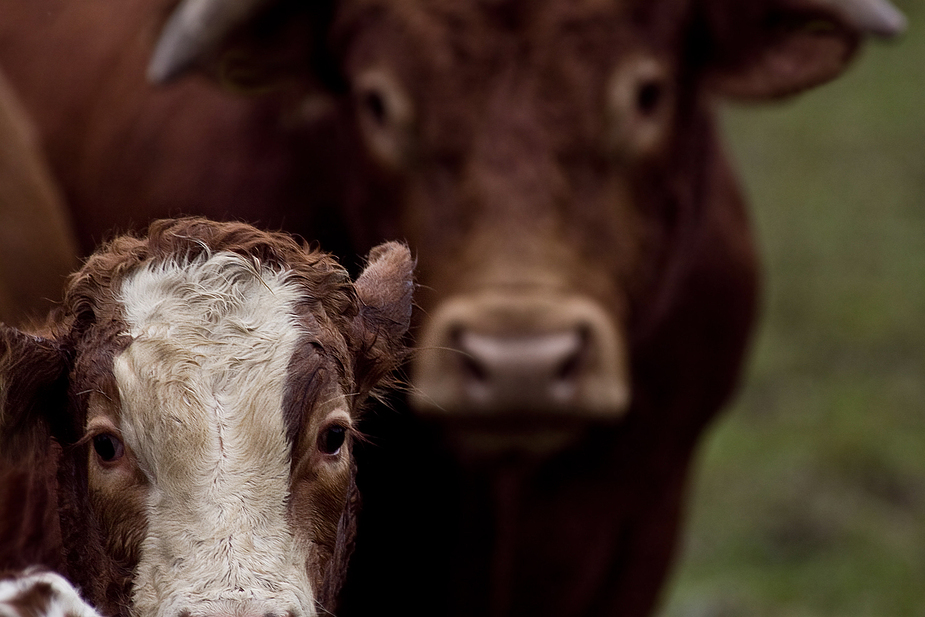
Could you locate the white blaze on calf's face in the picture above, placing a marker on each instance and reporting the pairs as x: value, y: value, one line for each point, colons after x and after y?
x: 201, y: 388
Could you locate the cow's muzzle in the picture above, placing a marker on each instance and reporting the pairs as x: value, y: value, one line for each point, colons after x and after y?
x: 521, y: 360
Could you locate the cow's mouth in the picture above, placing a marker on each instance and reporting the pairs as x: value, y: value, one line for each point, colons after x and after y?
x: 522, y: 435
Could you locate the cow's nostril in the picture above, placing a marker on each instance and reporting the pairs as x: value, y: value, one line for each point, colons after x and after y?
x: 473, y: 370
x: 573, y: 364
x: 649, y: 97
x: 374, y: 105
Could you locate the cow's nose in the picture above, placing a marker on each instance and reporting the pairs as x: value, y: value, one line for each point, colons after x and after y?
x: 495, y: 356
x: 527, y: 371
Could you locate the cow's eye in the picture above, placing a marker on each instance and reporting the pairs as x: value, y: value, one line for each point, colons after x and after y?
x: 385, y: 115
x: 649, y: 96
x: 108, y: 447
x: 332, y: 439
x: 373, y: 104
x: 639, y: 106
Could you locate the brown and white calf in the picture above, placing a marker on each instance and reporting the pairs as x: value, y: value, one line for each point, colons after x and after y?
x: 197, y: 394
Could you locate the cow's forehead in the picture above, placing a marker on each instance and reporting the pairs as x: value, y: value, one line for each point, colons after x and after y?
x: 210, y: 351
x: 547, y: 71
x: 500, y: 7
x: 450, y: 19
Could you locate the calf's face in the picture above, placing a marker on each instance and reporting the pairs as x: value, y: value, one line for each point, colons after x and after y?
x: 218, y: 396
x: 226, y: 508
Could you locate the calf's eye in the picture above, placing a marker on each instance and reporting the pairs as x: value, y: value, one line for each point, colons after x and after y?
x: 332, y: 438
x: 108, y: 447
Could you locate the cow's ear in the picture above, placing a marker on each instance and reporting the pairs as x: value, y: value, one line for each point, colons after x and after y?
x: 768, y: 49
x: 385, y: 289
x: 248, y: 46
x: 33, y: 391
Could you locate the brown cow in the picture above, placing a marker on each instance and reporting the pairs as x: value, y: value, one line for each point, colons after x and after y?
x: 37, y: 245
x: 555, y: 165
x: 198, y: 393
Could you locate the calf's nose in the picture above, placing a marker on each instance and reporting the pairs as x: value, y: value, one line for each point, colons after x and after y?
x: 240, y: 609
x: 529, y: 356
x: 241, y: 613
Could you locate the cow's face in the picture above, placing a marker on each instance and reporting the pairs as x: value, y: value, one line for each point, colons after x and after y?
x: 533, y: 142
x: 220, y: 396
x: 552, y: 160
x: 555, y: 158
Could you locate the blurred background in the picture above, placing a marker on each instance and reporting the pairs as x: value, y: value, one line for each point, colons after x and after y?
x: 809, y: 496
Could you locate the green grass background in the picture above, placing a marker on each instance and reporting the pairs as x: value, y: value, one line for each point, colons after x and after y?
x: 809, y: 495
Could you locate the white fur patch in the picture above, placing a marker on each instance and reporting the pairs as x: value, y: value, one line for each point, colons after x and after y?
x: 202, y: 388
x: 41, y: 593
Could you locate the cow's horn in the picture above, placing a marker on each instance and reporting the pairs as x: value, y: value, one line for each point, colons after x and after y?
x: 195, y: 28
x: 877, y: 17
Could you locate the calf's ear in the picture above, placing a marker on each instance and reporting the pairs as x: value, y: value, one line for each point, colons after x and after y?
x: 385, y: 289
x: 33, y: 392
x: 765, y: 49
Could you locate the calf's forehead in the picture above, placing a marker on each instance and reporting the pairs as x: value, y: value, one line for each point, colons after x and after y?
x: 201, y: 390
x: 207, y: 367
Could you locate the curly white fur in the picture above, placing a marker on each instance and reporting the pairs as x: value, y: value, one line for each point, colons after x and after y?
x: 202, y: 387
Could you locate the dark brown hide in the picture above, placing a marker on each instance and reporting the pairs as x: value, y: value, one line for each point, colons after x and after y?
x: 352, y: 337
x: 563, y: 151
x: 37, y: 246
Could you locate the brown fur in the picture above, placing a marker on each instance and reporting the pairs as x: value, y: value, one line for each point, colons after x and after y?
x: 506, y: 166
x: 48, y: 384
x: 37, y: 246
